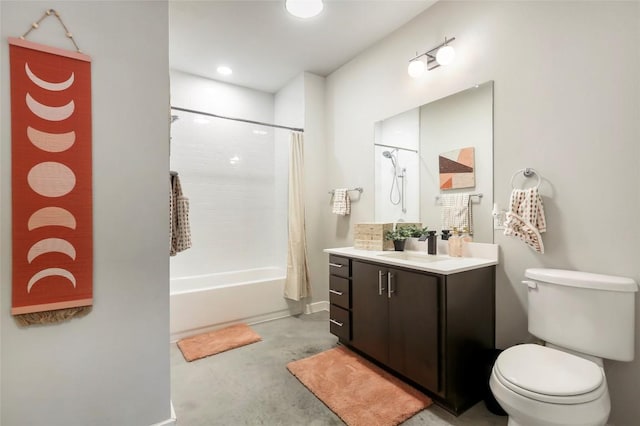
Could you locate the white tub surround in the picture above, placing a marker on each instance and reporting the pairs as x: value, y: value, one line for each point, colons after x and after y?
x: 475, y: 255
x: 204, y: 303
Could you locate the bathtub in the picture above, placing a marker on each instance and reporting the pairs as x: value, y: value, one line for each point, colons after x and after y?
x: 203, y: 303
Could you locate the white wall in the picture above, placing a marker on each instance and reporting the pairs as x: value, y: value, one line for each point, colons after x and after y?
x: 2, y: 231
x: 203, y: 94
x: 228, y: 172
x: 112, y: 366
x: 559, y: 108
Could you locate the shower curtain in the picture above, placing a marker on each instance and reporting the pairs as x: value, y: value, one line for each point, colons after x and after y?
x: 297, y: 285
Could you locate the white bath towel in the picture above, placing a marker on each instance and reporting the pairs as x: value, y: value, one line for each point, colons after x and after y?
x: 456, y: 211
x: 341, y: 202
x: 526, y: 218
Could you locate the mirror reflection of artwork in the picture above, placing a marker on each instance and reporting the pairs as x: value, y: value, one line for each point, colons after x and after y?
x: 459, y: 120
x: 457, y: 169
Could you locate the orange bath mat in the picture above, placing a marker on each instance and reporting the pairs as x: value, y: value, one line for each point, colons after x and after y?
x: 360, y: 393
x: 206, y: 344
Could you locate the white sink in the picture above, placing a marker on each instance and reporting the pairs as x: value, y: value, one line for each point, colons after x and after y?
x: 413, y: 256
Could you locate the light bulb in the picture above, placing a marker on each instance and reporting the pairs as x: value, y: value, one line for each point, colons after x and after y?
x: 445, y: 55
x: 416, y: 68
x: 224, y: 70
x: 304, y: 8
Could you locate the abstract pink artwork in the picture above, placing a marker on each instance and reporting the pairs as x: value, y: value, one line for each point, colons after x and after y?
x: 457, y: 169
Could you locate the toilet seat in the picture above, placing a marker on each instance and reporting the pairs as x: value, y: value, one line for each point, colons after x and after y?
x: 549, y: 375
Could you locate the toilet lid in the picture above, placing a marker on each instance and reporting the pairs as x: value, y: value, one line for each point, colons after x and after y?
x: 548, y: 371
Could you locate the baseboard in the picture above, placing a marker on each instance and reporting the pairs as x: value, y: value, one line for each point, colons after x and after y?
x: 256, y: 319
x: 170, y: 421
x: 312, y: 308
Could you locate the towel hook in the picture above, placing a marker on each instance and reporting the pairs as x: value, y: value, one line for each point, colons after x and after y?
x: 527, y: 172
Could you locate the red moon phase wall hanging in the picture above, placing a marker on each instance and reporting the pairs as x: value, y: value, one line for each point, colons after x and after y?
x: 52, y: 220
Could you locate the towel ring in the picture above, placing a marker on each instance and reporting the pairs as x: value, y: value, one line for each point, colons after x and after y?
x: 528, y: 172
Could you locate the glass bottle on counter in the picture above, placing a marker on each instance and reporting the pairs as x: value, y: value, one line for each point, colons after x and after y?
x: 465, y: 239
x: 454, y: 243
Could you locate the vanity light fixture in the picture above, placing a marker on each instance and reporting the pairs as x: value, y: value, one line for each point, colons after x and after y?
x: 304, y: 8
x: 442, y: 54
x: 416, y: 68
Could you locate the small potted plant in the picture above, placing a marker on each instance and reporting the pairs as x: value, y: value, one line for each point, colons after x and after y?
x: 398, y: 236
x: 415, y: 232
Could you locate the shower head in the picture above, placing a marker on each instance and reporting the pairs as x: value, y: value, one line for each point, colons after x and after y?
x: 390, y: 156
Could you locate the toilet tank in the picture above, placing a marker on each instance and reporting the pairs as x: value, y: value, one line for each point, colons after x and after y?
x: 590, y: 313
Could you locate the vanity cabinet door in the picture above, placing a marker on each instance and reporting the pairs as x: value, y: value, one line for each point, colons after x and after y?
x: 370, y: 320
x: 413, y: 327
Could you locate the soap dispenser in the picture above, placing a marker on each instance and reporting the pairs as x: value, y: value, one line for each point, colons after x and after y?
x: 431, y: 242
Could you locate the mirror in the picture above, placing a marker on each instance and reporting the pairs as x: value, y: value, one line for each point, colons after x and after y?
x: 408, y: 150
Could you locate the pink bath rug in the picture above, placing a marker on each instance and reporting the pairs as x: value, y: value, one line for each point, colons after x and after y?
x: 214, y: 342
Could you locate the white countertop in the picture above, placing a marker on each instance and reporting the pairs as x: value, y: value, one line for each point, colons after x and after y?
x: 478, y: 255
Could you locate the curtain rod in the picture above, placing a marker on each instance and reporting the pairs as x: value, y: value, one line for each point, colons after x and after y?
x: 295, y: 129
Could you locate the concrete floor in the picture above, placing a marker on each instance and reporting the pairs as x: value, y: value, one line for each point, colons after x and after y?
x: 251, y: 385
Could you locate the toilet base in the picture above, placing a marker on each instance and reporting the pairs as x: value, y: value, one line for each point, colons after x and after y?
x: 524, y: 411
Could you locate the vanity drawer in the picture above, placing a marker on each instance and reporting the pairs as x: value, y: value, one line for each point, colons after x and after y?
x: 339, y: 322
x: 340, y: 291
x: 340, y: 266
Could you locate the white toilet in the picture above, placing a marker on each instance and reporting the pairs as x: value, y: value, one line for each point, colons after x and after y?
x: 583, y: 318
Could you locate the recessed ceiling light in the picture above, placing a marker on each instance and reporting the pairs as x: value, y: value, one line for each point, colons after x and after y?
x: 259, y: 132
x: 224, y: 70
x: 234, y: 160
x: 304, y: 8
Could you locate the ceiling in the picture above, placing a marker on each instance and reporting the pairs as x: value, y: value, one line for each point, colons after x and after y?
x: 266, y: 47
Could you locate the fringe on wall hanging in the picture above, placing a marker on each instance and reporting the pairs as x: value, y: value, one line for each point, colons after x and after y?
x: 51, y: 180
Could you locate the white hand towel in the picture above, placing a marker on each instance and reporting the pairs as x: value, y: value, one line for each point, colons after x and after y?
x: 341, y: 202
x: 456, y: 211
x: 526, y: 218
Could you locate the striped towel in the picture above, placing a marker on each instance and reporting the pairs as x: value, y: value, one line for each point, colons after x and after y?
x: 456, y: 211
x: 341, y: 202
x: 526, y: 219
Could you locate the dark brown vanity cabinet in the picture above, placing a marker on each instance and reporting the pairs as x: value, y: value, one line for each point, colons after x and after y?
x: 395, y: 320
x: 434, y: 330
x: 340, y: 297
